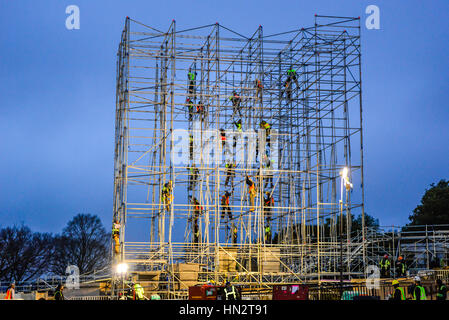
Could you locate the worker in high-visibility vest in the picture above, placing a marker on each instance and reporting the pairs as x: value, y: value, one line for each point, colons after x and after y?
x: 230, y: 292
x: 399, y: 293
x: 442, y: 290
x: 385, y: 267
x: 59, y: 293
x: 418, y: 291
x: 291, y: 74
x: 167, y: 196
x: 401, y: 267
x: 267, y: 234
x: 116, y: 236
x: 251, y: 191
x: 190, y: 146
x: 238, y: 125
x: 234, y: 234
x: 193, y: 177
x: 225, y: 209
x: 138, y: 292
x: 11, y: 292
x: 191, y: 77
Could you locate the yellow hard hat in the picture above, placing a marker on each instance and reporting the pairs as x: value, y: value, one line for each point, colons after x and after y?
x: 394, y: 282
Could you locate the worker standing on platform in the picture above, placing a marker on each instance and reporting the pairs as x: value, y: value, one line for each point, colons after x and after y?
x: 401, y: 267
x: 226, y: 210
x: 399, y: 293
x: 11, y: 292
x: 442, y: 290
x: 385, y: 266
x: 191, y: 77
x: 59, y: 293
x: 251, y: 191
x: 418, y: 291
x: 167, y: 195
x: 138, y: 292
x: 267, y: 234
x: 230, y: 292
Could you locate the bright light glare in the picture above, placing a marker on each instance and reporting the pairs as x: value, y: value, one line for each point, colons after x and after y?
x: 345, y: 178
x: 122, y: 268
x: 344, y: 172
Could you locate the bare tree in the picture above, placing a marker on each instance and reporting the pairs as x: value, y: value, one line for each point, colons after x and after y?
x: 84, y: 243
x: 24, y: 255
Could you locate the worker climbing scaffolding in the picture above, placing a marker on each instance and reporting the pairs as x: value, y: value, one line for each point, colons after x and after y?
x: 288, y: 89
x: 259, y: 87
x: 225, y: 208
x: 191, y: 77
x: 268, y: 203
x: 223, y: 139
x: 197, y: 211
x: 200, y: 111
x: 291, y: 74
x: 190, y: 147
x: 234, y: 233
x: 190, y: 105
x: 238, y: 125
x: 116, y: 236
x: 235, y: 99
x: 193, y: 177
x: 267, y: 173
x: 291, y: 77
x: 251, y: 192
x: 167, y: 195
x: 266, y: 127
x: 230, y: 173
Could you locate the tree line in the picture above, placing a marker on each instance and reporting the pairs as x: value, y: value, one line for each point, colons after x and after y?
x: 84, y: 242
x: 26, y: 255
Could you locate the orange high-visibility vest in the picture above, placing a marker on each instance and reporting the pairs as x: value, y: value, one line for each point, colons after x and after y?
x: 9, y: 294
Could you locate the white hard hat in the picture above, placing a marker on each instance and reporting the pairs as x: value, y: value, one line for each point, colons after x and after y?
x: 417, y: 278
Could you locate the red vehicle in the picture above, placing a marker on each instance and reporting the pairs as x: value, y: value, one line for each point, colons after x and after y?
x: 204, y: 292
x: 290, y: 292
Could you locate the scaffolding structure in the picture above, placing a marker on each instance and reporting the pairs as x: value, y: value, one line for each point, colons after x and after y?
x: 229, y: 151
